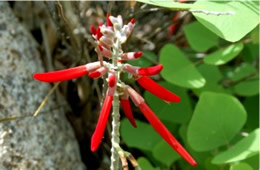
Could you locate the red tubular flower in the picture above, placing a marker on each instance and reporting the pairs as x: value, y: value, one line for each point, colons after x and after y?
x: 124, y: 100
x: 109, y: 23
x: 158, y: 125
x: 99, y: 34
x: 132, y: 55
x: 149, y: 71
x: 128, y: 111
x: 107, y: 32
x: 93, y: 30
x: 132, y: 21
x: 158, y: 90
x: 105, y: 52
x: 111, y: 80
x: 164, y: 132
x: 146, y: 71
x: 66, y: 74
x: 98, y: 73
x: 101, y: 125
x: 105, y: 41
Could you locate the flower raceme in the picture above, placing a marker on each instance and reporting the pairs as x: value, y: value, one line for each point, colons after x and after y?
x: 109, y: 38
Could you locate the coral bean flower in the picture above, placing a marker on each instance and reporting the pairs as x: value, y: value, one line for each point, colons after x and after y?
x: 109, y: 38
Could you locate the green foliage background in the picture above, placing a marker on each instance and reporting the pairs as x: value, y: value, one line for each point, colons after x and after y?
x: 218, y: 81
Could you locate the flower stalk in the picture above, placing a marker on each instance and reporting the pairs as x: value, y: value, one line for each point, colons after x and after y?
x: 109, y: 39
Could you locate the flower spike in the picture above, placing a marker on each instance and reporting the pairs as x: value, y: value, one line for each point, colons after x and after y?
x: 101, y: 125
x: 158, y: 90
x: 66, y: 74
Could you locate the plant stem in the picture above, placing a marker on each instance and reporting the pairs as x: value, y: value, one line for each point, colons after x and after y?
x: 115, y: 160
x: 115, y: 134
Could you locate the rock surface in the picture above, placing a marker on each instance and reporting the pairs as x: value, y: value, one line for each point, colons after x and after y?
x: 43, y: 142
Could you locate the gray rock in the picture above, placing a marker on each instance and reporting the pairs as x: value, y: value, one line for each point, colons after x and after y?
x: 43, y: 142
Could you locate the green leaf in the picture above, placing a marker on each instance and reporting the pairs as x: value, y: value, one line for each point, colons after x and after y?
x: 242, y: 71
x: 230, y: 27
x: 145, y: 164
x: 170, y: 112
x: 212, y: 76
x: 164, y: 153
x: 253, y: 161
x: 223, y: 56
x: 254, y: 35
x: 245, y: 148
x: 247, y: 88
x: 216, y: 120
x: 252, y: 107
x: 210, y: 73
x: 147, y: 136
x: 241, y: 166
x: 209, y: 165
x: 194, y: 32
x: 168, y: 4
x: 250, y: 52
x: 147, y: 59
x: 178, y: 69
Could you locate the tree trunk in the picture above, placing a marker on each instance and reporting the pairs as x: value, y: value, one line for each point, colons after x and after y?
x: 43, y: 142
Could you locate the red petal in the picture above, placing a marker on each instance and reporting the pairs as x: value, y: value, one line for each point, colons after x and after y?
x: 111, y: 80
x: 138, y: 54
x: 62, y: 75
x: 100, y: 47
x: 94, y: 74
x: 165, y: 134
x: 157, y: 89
x: 149, y: 71
x: 101, y: 125
x: 93, y: 30
x: 109, y: 23
x: 99, y: 34
x: 132, y: 21
x: 127, y: 110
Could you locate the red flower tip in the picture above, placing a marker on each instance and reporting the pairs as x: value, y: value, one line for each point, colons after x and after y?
x: 109, y: 23
x: 138, y: 54
x: 99, y: 34
x: 93, y: 30
x: 94, y: 74
x: 119, y: 61
x: 149, y: 71
x: 62, y: 75
x: 132, y: 21
x: 101, y: 125
x: 128, y: 112
x: 164, y: 132
x: 100, y: 47
x: 158, y: 90
x: 111, y: 80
